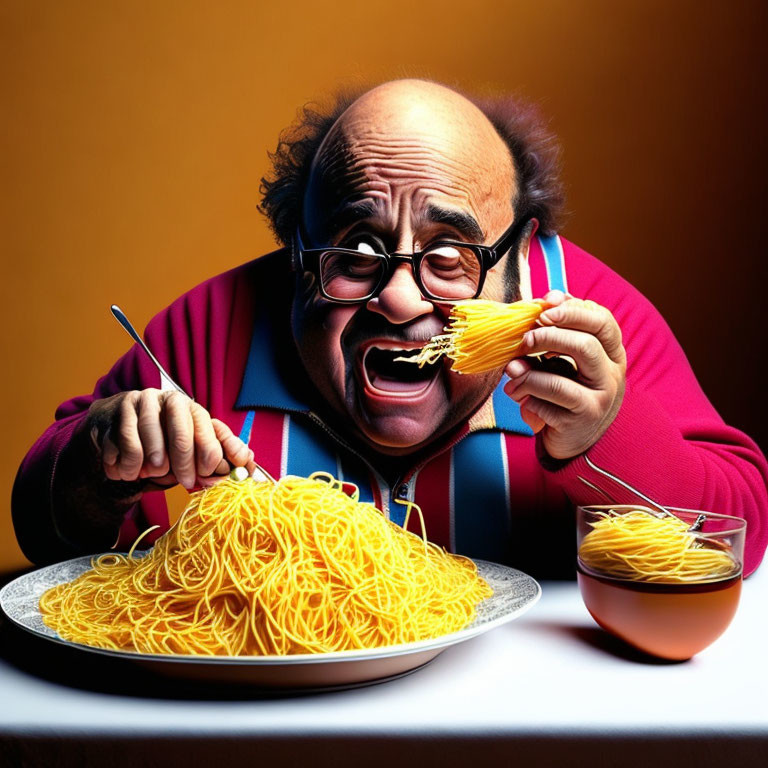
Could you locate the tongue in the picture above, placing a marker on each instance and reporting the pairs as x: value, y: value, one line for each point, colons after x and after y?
x: 387, y: 384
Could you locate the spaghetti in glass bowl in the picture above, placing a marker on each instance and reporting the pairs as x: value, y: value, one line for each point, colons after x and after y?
x: 666, y: 584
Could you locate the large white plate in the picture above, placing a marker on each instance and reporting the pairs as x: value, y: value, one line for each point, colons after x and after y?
x: 514, y: 593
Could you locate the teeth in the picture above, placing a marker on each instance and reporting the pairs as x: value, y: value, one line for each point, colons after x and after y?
x: 394, y: 387
x: 394, y: 349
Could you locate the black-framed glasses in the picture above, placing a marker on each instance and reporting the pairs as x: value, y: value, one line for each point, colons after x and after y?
x: 449, y: 270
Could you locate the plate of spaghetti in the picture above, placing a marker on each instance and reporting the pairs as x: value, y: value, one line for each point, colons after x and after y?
x: 280, y: 584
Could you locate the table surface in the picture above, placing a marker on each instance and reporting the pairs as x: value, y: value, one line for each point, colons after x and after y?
x: 550, y: 677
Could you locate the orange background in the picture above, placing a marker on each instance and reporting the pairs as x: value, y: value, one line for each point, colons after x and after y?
x: 134, y: 134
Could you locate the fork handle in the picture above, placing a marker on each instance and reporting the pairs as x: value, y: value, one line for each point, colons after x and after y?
x: 134, y: 334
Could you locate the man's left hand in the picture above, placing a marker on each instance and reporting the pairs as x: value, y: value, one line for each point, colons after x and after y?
x: 571, y: 414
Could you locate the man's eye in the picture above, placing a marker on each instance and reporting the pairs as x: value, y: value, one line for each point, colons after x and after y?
x: 361, y: 266
x: 339, y: 265
x: 444, y: 257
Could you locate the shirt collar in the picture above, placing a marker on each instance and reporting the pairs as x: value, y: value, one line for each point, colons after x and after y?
x: 273, y: 376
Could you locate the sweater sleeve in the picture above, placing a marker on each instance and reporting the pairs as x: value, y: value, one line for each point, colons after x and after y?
x: 667, y: 441
x: 202, y: 340
x: 33, y: 501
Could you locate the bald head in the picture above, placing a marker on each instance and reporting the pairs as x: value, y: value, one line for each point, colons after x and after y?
x: 415, y: 108
x: 403, y: 108
x: 416, y: 128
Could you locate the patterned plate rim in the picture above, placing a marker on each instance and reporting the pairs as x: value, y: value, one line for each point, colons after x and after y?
x: 514, y: 593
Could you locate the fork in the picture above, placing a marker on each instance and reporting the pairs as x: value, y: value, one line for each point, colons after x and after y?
x: 650, y: 502
x: 168, y: 383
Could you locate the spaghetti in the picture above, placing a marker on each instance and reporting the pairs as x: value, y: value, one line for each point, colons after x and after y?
x: 270, y: 568
x: 481, y: 335
x: 639, y: 546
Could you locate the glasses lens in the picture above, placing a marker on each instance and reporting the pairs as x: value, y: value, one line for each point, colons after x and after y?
x: 350, y: 275
x: 451, y: 272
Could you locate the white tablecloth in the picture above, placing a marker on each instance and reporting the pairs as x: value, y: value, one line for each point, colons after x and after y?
x: 548, y: 689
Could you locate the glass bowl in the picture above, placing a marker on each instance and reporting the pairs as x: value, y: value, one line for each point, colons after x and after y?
x: 667, y: 593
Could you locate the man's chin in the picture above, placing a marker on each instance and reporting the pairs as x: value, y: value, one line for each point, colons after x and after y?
x: 399, y: 421
x: 396, y: 435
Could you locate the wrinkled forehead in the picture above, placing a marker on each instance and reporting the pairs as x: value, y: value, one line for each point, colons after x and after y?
x: 416, y: 156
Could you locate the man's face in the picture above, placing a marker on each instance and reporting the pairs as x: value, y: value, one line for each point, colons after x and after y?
x: 408, y: 164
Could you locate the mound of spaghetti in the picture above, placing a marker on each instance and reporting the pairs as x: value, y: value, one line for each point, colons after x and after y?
x: 640, y: 546
x: 481, y: 335
x: 257, y: 568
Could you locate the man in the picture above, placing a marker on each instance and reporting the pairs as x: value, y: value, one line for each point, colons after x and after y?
x: 291, y: 359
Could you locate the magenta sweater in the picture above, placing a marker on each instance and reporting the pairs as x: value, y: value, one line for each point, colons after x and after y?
x: 484, y: 491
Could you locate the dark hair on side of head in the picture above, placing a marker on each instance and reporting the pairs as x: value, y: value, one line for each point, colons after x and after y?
x: 283, y: 191
x: 536, y: 154
x: 534, y: 149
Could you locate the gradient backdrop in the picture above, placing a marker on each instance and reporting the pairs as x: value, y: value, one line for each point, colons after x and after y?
x: 133, y: 136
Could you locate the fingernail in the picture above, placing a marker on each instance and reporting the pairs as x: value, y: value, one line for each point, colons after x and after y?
x: 551, y: 316
x: 155, y: 459
x: 528, y: 339
x: 516, y: 368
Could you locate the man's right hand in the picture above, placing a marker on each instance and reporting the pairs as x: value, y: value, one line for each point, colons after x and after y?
x: 163, y: 438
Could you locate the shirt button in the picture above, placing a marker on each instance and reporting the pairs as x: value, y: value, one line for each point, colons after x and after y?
x: 402, y: 491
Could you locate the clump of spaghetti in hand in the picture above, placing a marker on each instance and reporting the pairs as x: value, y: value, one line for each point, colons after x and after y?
x: 639, y: 546
x: 481, y: 335
x: 270, y: 568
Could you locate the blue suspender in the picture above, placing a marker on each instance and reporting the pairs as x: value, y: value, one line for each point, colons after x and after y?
x: 245, y: 432
x: 480, y: 496
x: 306, y: 452
x: 554, y: 260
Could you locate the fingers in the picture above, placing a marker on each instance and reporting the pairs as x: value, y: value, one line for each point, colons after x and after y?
x: 164, y: 437
x: 535, y: 422
x: 589, y: 317
x: 123, y: 449
x: 110, y: 454
x: 548, y: 414
x: 584, y: 348
x: 208, y: 450
x: 151, y: 432
x: 571, y: 415
x: 546, y: 386
x: 236, y: 452
x: 180, y: 438
x: 555, y: 298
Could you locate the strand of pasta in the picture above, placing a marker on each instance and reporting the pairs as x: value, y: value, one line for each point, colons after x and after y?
x: 481, y: 335
x: 639, y: 546
x: 254, y: 568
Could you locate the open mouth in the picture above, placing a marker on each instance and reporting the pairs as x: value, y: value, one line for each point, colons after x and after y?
x: 384, y: 375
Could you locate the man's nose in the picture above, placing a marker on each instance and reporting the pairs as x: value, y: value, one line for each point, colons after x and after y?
x: 400, y: 301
